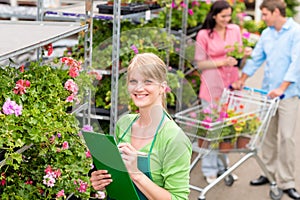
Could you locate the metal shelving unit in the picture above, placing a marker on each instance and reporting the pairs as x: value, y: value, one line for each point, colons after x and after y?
x: 74, y: 12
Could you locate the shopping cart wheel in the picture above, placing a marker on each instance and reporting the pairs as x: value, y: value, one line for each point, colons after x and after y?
x: 276, y: 196
x: 229, y: 180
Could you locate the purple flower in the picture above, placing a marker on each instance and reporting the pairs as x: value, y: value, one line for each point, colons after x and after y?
x: 11, y: 107
x: 87, y: 128
x: 135, y: 49
x: 246, y: 35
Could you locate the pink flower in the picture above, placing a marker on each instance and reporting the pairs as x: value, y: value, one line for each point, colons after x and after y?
x: 135, y: 49
x: 29, y: 182
x: 57, y: 173
x: 206, y: 121
x: 246, y: 35
x: 88, y: 154
x: 11, y: 107
x: 73, y: 72
x: 3, y: 179
x: 87, y: 128
x: 168, y: 89
x: 195, y: 3
x: 49, y: 180
x: 60, y: 194
x: 70, y: 98
x: 223, y: 115
x: 21, y: 86
x: 193, y: 115
x: 207, y: 111
x: 70, y: 85
x: 173, y: 4
x: 190, y: 11
x: 82, y: 186
x: 65, y: 145
x: 48, y: 169
x: 183, y: 5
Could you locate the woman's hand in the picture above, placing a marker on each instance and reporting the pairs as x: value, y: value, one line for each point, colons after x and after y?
x: 100, y: 179
x: 230, y: 61
x: 238, y: 85
x: 129, y: 156
x: 247, y: 52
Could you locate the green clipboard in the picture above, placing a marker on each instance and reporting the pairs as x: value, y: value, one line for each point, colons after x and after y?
x: 106, y: 156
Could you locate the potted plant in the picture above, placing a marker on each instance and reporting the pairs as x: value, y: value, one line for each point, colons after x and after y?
x: 33, y: 104
x: 237, y: 51
x: 245, y: 132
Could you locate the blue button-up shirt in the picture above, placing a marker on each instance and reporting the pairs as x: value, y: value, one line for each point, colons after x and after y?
x: 281, y: 53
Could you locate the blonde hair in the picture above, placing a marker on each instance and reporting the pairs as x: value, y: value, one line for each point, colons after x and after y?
x: 151, y: 66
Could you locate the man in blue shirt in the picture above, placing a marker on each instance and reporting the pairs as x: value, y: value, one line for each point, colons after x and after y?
x: 279, y: 49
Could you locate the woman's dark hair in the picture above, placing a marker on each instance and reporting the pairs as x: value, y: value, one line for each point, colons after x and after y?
x: 216, y: 8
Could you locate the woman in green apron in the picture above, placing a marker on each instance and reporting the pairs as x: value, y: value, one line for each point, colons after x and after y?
x: 154, y: 149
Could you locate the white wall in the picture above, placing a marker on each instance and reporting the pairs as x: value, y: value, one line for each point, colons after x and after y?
x: 297, y: 18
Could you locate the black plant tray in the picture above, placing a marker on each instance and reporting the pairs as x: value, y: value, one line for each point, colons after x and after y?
x: 125, y: 10
x: 193, y: 29
x: 190, y: 31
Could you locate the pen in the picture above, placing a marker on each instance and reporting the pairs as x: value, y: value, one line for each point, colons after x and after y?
x: 139, y: 153
x: 142, y: 153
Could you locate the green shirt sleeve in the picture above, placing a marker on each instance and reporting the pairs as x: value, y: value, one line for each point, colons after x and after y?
x: 174, y: 151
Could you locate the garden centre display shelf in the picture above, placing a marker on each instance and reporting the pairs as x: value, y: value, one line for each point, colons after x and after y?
x: 76, y: 12
x: 22, y: 36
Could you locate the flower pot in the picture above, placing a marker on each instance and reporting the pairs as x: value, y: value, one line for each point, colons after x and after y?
x: 202, y: 143
x: 239, y: 62
x: 242, y: 141
x: 225, y: 146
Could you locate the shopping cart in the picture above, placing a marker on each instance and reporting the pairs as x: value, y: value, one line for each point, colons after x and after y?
x: 240, y: 113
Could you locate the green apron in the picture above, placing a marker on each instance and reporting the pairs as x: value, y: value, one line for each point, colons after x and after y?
x: 144, y: 161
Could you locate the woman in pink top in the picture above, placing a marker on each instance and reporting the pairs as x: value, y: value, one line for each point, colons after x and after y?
x: 218, y: 70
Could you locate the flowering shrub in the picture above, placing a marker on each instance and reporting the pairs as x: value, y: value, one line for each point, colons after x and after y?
x: 33, y: 105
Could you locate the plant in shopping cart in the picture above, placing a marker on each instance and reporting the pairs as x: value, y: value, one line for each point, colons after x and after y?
x: 33, y: 105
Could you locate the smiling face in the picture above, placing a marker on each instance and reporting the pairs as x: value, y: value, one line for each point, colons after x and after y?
x: 223, y: 18
x: 145, y: 92
x: 268, y: 17
x: 146, y: 79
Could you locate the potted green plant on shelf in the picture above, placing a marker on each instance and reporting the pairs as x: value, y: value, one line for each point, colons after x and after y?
x: 33, y: 109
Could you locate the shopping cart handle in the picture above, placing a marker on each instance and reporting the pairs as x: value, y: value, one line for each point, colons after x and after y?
x: 263, y: 92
